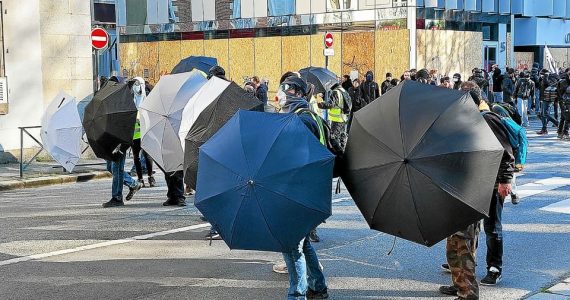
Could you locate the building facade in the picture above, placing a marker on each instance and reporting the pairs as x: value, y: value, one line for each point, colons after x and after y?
x: 46, y: 48
x: 269, y: 37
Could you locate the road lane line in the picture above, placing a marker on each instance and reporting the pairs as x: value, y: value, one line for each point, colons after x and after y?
x: 102, y: 244
x: 559, y: 207
x: 541, y: 186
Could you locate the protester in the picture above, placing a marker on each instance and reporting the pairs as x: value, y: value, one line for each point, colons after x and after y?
x: 346, y: 82
x: 139, y: 92
x: 508, y: 86
x: 535, y: 76
x: 563, y: 125
x: 497, y: 84
x: 394, y: 83
x: 524, y: 92
x: 306, y: 279
x: 479, y: 79
x: 457, y: 81
x: 217, y: 71
x: 356, y: 95
x: 548, y: 95
x: 461, y: 246
x: 387, y: 84
x: 406, y: 76
x: 260, y: 90
x: 117, y: 168
x: 369, y: 88
x: 339, y: 107
x: 422, y: 76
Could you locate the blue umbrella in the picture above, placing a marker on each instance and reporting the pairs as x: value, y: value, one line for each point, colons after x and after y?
x: 202, y: 63
x: 264, y: 181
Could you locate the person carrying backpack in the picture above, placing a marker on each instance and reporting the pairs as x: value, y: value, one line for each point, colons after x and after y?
x: 339, y: 106
x: 548, y: 95
x: 524, y: 92
x: 306, y: 279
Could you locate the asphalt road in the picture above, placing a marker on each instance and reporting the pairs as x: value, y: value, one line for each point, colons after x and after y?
x: 58, y: 242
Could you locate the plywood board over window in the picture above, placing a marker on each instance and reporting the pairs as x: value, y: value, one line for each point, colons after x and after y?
x: 147, y: 67
x: 169, y: 55
x: 218, y: 49
x: 192, y: 48
x: 392, y: 53
x: 241, y: 59
x: 358, y: 52
x: 268, y: 60
x: 129, y: 58
x: 296, y: 53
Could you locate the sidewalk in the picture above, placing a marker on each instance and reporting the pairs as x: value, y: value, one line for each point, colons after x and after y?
x: 48, y: 173
x: 559, y: 291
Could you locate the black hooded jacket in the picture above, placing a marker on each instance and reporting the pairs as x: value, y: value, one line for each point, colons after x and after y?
x: 507, y: 166
x: 370, y: 90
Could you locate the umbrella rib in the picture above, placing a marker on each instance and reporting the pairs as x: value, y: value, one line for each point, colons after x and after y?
x: 265, y: 219
x: 387, y: 188
x: 237, y: 213
x: 378, y: 142
x: 420, y: 226
x: 270, y: 148
x: 413, y: 149
x: 286, y: 197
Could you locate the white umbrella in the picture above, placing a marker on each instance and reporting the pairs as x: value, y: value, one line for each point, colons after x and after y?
x: 62, y: 130
x: 207, y: 94
x: 161, y: 115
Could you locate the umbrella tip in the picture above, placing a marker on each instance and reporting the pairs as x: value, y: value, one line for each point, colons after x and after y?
x: 250, y: 182
x: 406, y: 161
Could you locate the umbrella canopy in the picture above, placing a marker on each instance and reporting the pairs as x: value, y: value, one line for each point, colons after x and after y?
x: 161, y: 115
x: 264, y: 181
x: 81, y: 105
x: 232, y: 99
x: 202, y: 63
x: 201, y: 100
x: 421, y: 162
x: 323, y: 79
x: 110, y: 119
x: 61, y: 131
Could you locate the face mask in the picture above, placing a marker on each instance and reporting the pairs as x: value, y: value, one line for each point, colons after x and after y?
x: 368, y: 77
x: 137, y: 88
x: 281, y: 98
x: 455, y: 79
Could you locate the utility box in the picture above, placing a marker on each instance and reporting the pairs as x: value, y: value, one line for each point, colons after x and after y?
x: 3, y: 95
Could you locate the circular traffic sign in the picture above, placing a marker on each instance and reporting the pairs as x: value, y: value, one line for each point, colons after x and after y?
x: 99, y: 38
x: 329, y: 40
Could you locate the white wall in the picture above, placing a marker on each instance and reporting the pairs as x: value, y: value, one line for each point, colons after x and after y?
x: 23, y: 54
x: 47, y: 49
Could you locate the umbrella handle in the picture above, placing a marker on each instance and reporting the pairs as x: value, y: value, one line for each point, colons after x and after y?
x: 61, y: 102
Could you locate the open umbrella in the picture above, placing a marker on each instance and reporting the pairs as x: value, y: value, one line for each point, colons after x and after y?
x: 232, y: 99
x: 61, y: 131
x: 202, y: 63
x: 81, y: 105
x: 323, y: 79
x: 161, y: 115
x: 421, y: 162
x: 264, y: 181
x: 201, y: 100
x: 110, y: 119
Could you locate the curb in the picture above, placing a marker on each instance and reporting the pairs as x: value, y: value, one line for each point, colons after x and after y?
x: 52, y: 180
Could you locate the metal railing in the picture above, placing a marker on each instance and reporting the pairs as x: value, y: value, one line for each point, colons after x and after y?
x: 25, y: 164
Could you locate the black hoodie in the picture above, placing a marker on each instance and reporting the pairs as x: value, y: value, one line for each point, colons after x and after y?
x: 370, y: 90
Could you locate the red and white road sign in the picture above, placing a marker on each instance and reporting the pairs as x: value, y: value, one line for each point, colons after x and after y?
x: 329, y: 40
x: 99, y: 38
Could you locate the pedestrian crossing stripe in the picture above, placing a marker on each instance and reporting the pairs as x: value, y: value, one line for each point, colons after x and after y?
x: 541, y: 186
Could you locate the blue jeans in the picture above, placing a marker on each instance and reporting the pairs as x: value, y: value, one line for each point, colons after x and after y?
x: 522, y: 108
x: 494, y: 232
x: 545, y: 114
x: 120, y: 177
x: 498, y: 97
x: 536, y: 99
x: 304, y: 272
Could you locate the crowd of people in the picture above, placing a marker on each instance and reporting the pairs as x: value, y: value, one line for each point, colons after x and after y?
x: 498, y: 96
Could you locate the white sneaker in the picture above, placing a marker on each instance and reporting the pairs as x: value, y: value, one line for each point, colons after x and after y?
x: 280, y: 268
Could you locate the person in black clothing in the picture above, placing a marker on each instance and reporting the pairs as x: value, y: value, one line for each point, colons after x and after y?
x: 563, y: 94
x: 457, y: 81
x: 217, y: 71
x: 346, y: 82
x: 497, y: 85
x: 387, y: 84
x: 369, y: 88
x: 422, y: 76
x: 260, y: 89
x: 508, y: 86
x: 356, y: 95
x: 548, y: 95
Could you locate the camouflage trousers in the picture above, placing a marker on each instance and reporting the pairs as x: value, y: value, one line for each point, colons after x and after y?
x: 461, y: 254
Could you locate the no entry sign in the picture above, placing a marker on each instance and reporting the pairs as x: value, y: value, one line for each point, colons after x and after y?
x: 329, y: 40
x: 99, y: 38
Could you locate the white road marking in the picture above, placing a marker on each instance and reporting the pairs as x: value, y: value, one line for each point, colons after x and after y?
x: 559, y: 207
x: 541, y: 186
x: 341, y: 199
x: 101, y: 245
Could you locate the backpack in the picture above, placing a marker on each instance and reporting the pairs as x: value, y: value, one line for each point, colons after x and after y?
x: 347, y: 101
x: 511, y: 110
x: 517, y: 138
x: 326, y: 139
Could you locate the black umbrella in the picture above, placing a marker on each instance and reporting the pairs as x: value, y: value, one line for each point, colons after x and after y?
x: 202, y: 63
x: 421, y: 162
x: 210, y: 120
x: 110, y: 119
x: 323, y: 79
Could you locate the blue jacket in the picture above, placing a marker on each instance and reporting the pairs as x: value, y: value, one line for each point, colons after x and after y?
x: 261, y: 93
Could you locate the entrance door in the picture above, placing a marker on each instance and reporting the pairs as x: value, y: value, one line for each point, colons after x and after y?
x: 489, y: 56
